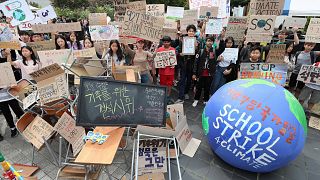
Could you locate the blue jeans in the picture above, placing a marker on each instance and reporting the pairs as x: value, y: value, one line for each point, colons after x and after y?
x: 218, y: 80
x: 144, y: 78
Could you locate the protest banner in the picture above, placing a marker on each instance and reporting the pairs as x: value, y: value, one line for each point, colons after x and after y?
x: 170, y: 23
x: 172, y: 33
x: 175, y: 13
x: 194, y: 4
x: 58, y: 27
x: 137, y: 6
x: 7, y: 77
x: 224, y: 8
x: 30, y: 100
x: 66, y: 127
x: 165, y: 58
x: 276, y: 53
x: 27, y: 26
x: 47, y: 13
x: 17, y: 11
x: 214, y: 26
x: 236, y: 28
x: 10, y: 45
x: 6, y: 34
x: 189, y: 46
x: 42, y: 45
x: 143, y: 26
x: 98, y: 19
x: 104, y: 33
x: 206, y: 12
x: 190, y: 14
x: 313, y: 30
x: 36, y: 130
x: 309, y: 74
x: 314, y: 122
x: 295, y: 22
x: 156, y: 10
x: 260, y: 28
x: 51, y: 83
x: 275, y: 73
x: 152, y: 156
x: 189, y: 17
x: 120, y: 7
x: 90, y: 52
x: 231, y: 54
x: 266, y: 7
x: 62, y: 56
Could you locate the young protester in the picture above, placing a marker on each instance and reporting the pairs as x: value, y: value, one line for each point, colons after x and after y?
x: 36, y: 37
x: 24, y: 36
x: 141, y: 59
x: 289, y: 58
x: 186, y: 67
x: 306, y: 57
x: 28, y: 64
x: 74, y: 42
x: 61, y: 42
x: 224, y: 67
x: 310, y: 92
x: 88, y: 43
x: 204, y: 69
x: 7, y: 100
x: 114, y: 56
x: 283, y: 34
x: 167, y: 74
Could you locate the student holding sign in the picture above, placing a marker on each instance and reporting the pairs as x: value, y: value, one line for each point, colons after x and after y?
x: 74, y: 42
x: 61, y: 42
x: 166, y: 74
x: 114, y: 56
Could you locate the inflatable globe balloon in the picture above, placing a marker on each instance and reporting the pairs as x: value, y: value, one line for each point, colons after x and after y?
x: 255, y: 125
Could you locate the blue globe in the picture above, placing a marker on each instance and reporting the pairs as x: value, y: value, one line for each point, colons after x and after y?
x: 255, y: 125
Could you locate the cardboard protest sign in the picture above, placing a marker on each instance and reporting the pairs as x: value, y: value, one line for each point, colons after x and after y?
x: 295, y: 22
x: 190, y: 14
x: 214, y: 26
x: 98, y: 19
x: 47, y: 13
x: 189, y: 17
x: 208, y: 12
x: 231, y: 54
x: 194, y: 4
x: 152, y: 156
x: 175, y: 12
x: 266, y: 7
x: 120, y: 7
x: 175, y: 111
x: 5, y: 32
x: 58, y: 27
x: 51, y: 83
x: 37, y: 129
x: 236, y: 28
x: 137, y: 6
x: 18, y: 11
x: 170, y: 32
x: 314, y: 122
x: 42, y: 45
x: 30, y: 100
x: 143, y: 26
x: 165, y: 58
x: 276, y: 53
x: 275, y: 73
x: 7, y: 76
x: 90, y: 52
x: 104, y: 33
x: 66, y: 127
x: 189, y: 46
x: 10, y: 45
x: 309, y: 74
x: 260, y: 28
x: 62, y: 56
x: 312, y: 34
x: 170, y: 23
x: 156, y: 10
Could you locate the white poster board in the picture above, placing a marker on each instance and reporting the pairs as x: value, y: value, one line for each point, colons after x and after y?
x: 47, y: 13
x: 175, y: 12
x: 214, y: 26
x: 18, y: 11
x: 189, y: 46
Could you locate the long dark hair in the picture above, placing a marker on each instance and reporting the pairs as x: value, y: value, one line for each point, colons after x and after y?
x: 119, y: 51
x: 89, y: 39
x: 230, y: 39
x: 65, y: 42
x: 77, y: 40
x: 33, y: 56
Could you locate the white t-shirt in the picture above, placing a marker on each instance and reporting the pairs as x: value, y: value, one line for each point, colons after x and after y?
x: 26, y: 70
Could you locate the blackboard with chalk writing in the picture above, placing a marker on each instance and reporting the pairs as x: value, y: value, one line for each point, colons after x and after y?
x: 105, y: 102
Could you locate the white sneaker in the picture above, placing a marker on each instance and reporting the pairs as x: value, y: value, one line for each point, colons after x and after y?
x: 179, y: 101
x: 186, y: 96
x: 204, y: 103
x: 195, y: 103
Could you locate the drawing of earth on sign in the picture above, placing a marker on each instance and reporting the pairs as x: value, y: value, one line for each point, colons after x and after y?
x: 19, y: 15
x: 261, y: 23
x: 255, y: 125
x: 108, y: 32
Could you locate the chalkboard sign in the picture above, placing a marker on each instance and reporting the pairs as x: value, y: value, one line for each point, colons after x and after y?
x: 105, y: 102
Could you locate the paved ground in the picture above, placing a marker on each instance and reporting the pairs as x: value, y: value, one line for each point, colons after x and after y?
x: 205, y: 164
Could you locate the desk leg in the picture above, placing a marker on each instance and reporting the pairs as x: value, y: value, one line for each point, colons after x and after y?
x: 169, y: 165
x: 177, y: 158
x: 87, y: 172
x: 137, y: 155
x: 55, y: 159
x: 133, y: 155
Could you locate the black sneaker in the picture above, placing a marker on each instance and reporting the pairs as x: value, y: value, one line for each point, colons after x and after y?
x: 1, y: 137
x: 14, y: 132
